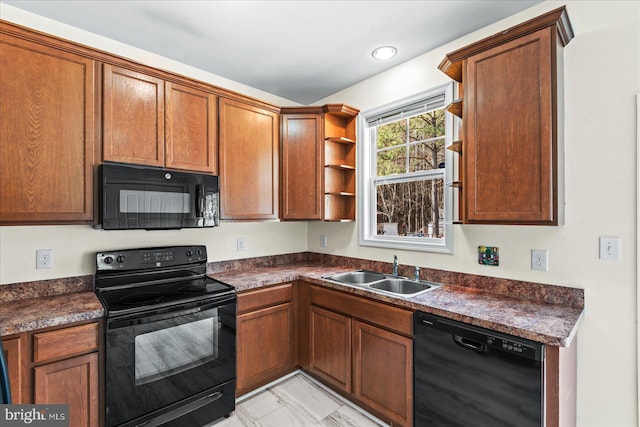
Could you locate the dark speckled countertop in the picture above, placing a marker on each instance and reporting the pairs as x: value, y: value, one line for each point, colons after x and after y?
x: 543, y: 313
x: 549, y: 323
x: 37, y: 305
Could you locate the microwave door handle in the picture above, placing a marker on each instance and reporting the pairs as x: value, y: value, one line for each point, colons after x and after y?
x: 199, y: 201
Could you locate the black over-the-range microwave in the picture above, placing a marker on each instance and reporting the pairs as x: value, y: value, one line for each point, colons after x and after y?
x: 150, y: 198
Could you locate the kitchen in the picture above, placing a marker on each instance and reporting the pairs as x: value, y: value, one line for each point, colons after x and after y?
x: 601, y: 80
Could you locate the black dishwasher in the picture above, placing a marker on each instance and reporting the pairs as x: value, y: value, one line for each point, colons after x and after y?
x: 469, y: 376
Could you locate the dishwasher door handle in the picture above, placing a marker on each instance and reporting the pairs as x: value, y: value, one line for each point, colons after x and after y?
x: 470, y: 344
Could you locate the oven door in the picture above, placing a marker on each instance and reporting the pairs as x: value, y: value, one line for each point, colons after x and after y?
x: 154, y: 360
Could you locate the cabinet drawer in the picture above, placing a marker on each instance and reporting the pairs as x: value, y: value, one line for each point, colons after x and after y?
x: 65, y: 342
x: 265, y: 297
x: 393, y: 318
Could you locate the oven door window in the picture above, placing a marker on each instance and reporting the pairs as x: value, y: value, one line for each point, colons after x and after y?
x: 166, y: 352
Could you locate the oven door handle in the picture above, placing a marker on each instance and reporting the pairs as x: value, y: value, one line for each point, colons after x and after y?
x: 176, y: 413
x: 165, y: 314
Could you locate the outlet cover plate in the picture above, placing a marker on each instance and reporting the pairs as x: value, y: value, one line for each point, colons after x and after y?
x: 540, y: 259
x: 44, y: 258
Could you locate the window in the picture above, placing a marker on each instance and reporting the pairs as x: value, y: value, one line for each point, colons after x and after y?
x: 404, y: 169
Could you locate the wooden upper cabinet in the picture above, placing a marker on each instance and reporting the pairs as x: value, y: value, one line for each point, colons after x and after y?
x: 133, y: 123
x: 154, y: 122
x: 301, y: 177
x: 248, y: 161
x: 48, y: 103
x: 191, y: 132
x: 509, y: 136
x: 509, y: 139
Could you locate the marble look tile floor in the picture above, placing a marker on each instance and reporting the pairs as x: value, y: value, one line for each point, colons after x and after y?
x: 296, y: 401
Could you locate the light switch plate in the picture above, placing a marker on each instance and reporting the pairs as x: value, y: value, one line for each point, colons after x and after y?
x: 610, y: 248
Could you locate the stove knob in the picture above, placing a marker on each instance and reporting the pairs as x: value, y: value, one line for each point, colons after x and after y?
x: 199, y: 252
x: 108, y: 260
x: 189, y: 253
x: 120, y: 259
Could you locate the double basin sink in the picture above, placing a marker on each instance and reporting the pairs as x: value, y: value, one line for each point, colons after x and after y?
x: 390, y: 284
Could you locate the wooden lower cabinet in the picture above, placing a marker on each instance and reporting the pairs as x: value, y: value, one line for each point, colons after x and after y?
x: 71, y: 381
x: 362, y: 349
x: 383, y: 371
x: 57, y: 366
x: 265, y: 337
x: 14, y: 349
x: 330, y: 347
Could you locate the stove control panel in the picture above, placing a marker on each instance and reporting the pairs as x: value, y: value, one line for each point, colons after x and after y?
x: 136, y: 259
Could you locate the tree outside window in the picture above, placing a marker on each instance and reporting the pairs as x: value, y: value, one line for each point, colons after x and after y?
x: 405, y: 172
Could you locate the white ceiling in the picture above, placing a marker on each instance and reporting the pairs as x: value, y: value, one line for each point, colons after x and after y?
x: 300, y: 50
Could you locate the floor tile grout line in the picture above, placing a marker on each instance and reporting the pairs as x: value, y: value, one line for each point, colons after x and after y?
x: 323, y: 387
x: 344, y: 400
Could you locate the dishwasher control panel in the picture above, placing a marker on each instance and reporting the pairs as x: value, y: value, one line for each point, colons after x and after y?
x: 481, y: 340
x: 511, y: 346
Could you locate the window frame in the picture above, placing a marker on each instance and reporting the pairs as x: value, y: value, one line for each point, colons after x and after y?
x: 367, y: 167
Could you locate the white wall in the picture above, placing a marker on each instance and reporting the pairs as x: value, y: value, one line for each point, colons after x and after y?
x: 602, y: 76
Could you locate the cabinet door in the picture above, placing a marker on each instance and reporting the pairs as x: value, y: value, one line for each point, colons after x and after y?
x: 302, y: 166
x: 74, y: 382
x: 265, y: 346
x: 248, y: 161
x: 330, y: 347
x: 48, y: 106
x: 510, y: 146
x: 16, y: 366
x: 133, y: 123
x: 191, y: 129
x: 383, y: 364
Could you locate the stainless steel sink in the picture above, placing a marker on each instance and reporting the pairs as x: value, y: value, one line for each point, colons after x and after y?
x: 384, y: 283
x: 404, y: 287
x: 359, y: 277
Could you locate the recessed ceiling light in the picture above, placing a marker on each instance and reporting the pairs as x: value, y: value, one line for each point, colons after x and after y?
x: 384, y: 52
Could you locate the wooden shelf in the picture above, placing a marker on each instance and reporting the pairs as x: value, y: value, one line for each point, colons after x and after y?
x: 340, y: 140
x: 451, y: 69
x: 341, y: 193
x: 455, y: 108
x: 339, y: 208
x: 340, y: 162
x: 341, y: 167
x: 456, y: 146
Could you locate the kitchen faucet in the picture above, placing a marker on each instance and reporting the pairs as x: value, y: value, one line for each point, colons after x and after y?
x: 416, y: 276
x: 395, y: 265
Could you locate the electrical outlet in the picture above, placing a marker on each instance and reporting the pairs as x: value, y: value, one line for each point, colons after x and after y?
x: 240, y: 244
x: 540, y: 259
x: 323, y: 240
x: 44, y: 258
